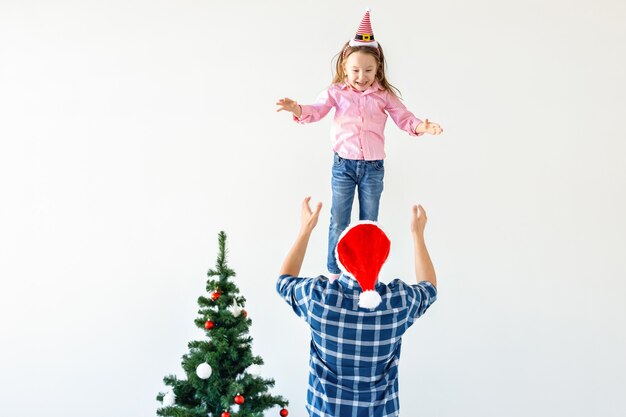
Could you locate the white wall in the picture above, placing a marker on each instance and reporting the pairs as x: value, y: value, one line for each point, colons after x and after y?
x: 133, y: 131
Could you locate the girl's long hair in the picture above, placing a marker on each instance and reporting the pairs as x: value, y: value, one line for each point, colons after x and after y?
x: 377, y: 53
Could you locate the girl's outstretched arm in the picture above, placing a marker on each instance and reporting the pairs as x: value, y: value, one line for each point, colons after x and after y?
x: 308, y: 113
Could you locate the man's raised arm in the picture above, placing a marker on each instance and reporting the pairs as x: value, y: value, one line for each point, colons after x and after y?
x: 424, y: 269
x: 295, y: 257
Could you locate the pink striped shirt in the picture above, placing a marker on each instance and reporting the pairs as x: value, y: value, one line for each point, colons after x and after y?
x: 358, y: 126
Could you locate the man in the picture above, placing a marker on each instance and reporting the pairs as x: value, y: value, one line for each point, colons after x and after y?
x: 355, y: 345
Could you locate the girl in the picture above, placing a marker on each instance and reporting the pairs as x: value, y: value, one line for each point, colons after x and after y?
x: 362, y: 98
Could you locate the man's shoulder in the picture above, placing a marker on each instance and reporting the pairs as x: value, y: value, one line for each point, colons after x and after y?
x: 396, y: 284
x: 399, y: 287
x: 399, y: 283
x: 319, y: 280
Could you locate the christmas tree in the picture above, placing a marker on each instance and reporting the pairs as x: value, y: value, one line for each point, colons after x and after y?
x: 220, y: 378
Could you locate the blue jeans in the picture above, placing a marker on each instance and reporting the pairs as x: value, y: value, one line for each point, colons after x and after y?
x: 347, y: 175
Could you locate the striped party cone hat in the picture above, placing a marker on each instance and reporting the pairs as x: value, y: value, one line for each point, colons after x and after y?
x: 364, y: 34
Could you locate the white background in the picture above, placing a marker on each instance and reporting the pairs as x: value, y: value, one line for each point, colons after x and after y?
x: 133, y: 131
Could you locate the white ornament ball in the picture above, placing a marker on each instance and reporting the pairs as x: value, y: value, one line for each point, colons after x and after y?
x: 236, y: 310
x: 204, y: 370
x: 169, y: 399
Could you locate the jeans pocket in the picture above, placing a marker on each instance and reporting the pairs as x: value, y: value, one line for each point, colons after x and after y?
x: 379, y: 165
x: 337, y: 160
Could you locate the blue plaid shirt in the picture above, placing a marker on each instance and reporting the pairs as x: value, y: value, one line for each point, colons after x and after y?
x: 353, y: 370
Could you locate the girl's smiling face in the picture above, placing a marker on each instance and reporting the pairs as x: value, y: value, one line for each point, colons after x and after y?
x: 360, y: 69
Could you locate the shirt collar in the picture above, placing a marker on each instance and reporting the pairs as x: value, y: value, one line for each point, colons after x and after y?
x: 373, y: 88
x: 351, y: 283
x: 348, y: 281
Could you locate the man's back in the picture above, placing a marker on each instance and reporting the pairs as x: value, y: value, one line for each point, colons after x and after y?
x: 354, y: 351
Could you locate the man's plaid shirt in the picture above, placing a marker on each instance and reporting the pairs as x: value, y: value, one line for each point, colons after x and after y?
x: 354, y: 351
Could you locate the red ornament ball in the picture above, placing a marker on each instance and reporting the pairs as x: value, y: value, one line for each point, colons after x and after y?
x: 245, y: 314
x: 209, y: 325
x: 284, y: 412
x: 225, y: 414
x: 215, y: 295
x: 239, y: 399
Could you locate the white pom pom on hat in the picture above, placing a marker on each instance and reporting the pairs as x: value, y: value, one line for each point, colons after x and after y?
x: 361, y: 251
x: 369, y: 299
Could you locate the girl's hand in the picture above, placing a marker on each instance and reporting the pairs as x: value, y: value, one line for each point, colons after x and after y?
x: 428, y: 127
x: 289, y: 105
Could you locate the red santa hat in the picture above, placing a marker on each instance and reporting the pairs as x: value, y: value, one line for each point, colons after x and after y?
x: 361, y: 252
x: 364, y: 34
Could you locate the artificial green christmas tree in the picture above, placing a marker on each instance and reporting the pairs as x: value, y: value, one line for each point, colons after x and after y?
x: 220, y: 381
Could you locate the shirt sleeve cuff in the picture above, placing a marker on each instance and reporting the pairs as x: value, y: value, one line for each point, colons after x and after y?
x: 428, y: 286
x: 305, y: 114
x: 413, y: 126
